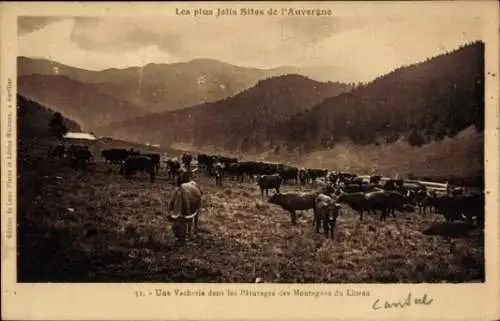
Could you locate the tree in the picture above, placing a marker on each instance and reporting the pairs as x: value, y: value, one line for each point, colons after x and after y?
x: 56, y: 126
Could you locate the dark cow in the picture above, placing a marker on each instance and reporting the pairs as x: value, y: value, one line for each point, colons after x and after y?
x: 294, y: 201
x: 79, y: 156
x: 326, y: 213
x: 115, y: 156
x: 288, y: 172
x: 393, y: 185
x: 184, y: 210
x: 234, y: 171
x: 57, y: 152
x: 314, y: 174
x: 345, y: 178
x: 385, y: 201
x: 173, y: 166
x: 155, y: 158
x: 461, y: 207
x: 267, y: 182
x: 134, y: 164
x: 472, y: 206
x: 357, y: 201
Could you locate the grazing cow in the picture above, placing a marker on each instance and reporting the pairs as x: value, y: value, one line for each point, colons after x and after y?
x: 314, y: 174
x: 204, y: 160
x: 267, y: 182
x: 385, y: 201
x: 184, y: 207
x: 393, y: 185
x: 134, y: 164
x: 472, y: 206
x: 114, y: 156
x: 357, y: 201
x: 155, y: 158
x: 461, y: 207
x: 79, y: 156
x: 219, y: 173
x: 288, y: 172
x: 173, y: 166
x: 326, y: 213
x: 294, y: 201
x: 57, y: 152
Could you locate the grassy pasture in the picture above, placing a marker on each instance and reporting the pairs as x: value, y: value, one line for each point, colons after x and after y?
x: 94, y: 226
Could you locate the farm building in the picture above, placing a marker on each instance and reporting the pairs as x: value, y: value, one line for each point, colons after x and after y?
x: 78, y: 138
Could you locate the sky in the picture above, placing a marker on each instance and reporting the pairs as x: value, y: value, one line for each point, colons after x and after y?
x: 360, y: 48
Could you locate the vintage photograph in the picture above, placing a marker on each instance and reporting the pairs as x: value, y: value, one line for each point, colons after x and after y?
x: 232, y: 145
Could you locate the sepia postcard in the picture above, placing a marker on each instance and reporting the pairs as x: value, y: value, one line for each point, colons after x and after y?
x: 281, y: 160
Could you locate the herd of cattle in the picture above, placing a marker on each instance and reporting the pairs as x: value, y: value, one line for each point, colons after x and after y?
x: 364, y: 194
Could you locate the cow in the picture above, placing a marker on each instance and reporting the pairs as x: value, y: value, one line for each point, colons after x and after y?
x: 385, y: 201
x: 326, y: 214
x: 184, y: 210
x: 57, y: 152
x: 173, y: 166
x: 461, y: 207
x: 357, y: 201
x: 288, y: 172
x: 79, y: 156
x: 134, y: 164
x: 314, y: 174
x: 472, y: 206
x: 393, y: 185
x: 155, y: 158
x: 294, y: 201
x: 115, y: 156
x: 267, y: 182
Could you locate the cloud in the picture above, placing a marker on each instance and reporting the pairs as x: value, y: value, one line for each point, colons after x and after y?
x: 367, y: 45
x: 26, y: 24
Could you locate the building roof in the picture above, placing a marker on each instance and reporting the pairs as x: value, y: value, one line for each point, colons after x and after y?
x: 76, y: 135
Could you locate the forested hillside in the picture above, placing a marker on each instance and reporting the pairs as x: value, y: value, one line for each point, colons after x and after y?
x: 225, y: 122
x: 423, y: 102
x: 33, y: 119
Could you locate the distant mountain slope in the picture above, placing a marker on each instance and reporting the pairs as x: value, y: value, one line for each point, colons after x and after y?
x: 423, y: 102
x: 33, y: 119
x: 225, y: 122
x: 164, y: 87
x: 83, y: 102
